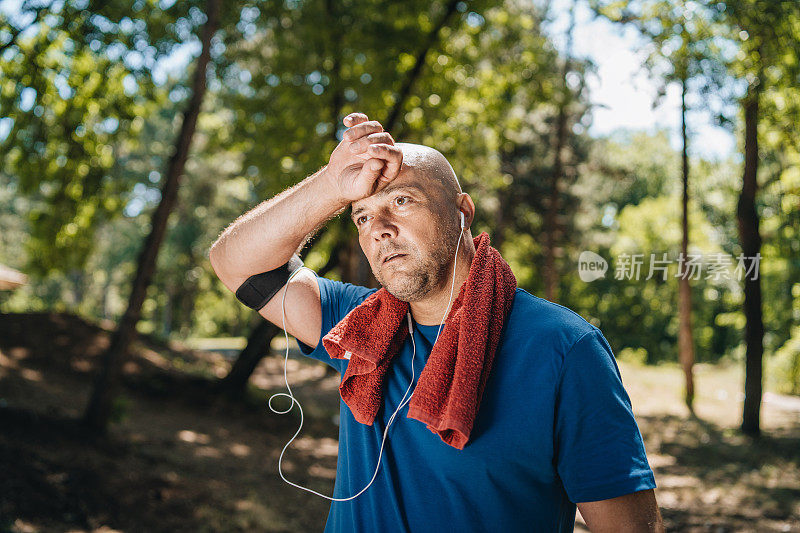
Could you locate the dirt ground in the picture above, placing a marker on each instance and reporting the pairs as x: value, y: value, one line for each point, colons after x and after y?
x: 185, y: 458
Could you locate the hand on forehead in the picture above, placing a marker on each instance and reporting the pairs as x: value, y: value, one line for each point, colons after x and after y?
x: 362, y: 133
x: 367, y: 140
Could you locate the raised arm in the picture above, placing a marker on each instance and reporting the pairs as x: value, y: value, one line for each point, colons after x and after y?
x: 265, y: 237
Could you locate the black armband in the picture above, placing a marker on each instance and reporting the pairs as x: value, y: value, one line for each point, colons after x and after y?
x: 259, y: 289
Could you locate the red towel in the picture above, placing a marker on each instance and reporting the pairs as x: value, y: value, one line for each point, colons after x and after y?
x: 451, y: 384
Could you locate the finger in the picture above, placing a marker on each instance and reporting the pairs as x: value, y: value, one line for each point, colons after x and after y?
x: 360, y: 130
x: 371, y: 170
x: 392, y: 155
x: 354, y: 118
x: 360, y: 145
x: 394, y: 163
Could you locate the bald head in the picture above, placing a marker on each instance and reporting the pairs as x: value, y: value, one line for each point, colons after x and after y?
x: 427, y: 170
x: 428, y: 163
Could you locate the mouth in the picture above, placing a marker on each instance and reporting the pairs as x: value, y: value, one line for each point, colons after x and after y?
x: 392, y: 257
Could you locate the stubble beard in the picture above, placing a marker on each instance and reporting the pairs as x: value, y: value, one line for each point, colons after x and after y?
x: 422, y: 274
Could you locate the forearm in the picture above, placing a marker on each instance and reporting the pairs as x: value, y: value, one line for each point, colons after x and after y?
x: 265, y: 237
x: 634, y: 512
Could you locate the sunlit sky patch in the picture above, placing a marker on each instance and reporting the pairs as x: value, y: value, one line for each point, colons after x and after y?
x: 623, y: 91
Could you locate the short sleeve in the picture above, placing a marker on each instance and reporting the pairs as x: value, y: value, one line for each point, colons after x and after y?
x: 337, y: 299
x: 599, y: 449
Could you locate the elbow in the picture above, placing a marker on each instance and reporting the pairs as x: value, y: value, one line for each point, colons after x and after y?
x: 214, y: 257
x: 217, y: 260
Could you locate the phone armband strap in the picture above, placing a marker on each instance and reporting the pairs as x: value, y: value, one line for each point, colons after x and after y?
x: 259, y: 289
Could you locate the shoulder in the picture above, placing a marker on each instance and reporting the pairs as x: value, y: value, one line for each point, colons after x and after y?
x: 545, y: 326
x: 338, y: 297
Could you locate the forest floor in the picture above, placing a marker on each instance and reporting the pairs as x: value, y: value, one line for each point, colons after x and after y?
x: 184, y: 458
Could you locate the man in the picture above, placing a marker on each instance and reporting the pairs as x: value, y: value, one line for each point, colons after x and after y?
x: 554, y: 426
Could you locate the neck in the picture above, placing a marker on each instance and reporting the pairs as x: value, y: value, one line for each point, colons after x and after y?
x: 430, y: 311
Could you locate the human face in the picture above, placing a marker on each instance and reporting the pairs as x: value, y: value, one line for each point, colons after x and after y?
x: 411, y: 218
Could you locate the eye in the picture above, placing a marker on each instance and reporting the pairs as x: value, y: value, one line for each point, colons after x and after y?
x: 360, y: 220
x: 400, y: 200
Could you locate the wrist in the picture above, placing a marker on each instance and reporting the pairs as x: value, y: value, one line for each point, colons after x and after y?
x: 329, y: 188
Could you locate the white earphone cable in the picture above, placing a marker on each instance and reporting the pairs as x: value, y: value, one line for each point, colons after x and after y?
x: 452, y: 285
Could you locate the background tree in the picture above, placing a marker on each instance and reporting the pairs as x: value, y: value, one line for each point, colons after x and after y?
x: 100, y: 405
x: 498, y: 119
x: 766, y: 54
x: 682, y: 51
x: 487, y: 92
x: 71, y: 105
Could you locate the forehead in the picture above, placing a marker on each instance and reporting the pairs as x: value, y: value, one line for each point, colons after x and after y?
x: 407, y: 180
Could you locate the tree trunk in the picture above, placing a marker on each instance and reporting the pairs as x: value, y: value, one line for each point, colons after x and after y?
x: 77, y: 285
x: 747, y: 218
x: 166, y: 311
x: 551, y: 215
x: 260, y: 338
x: 104, y: 295
x: 502, y: 216
x: 107, y: 381
x: 357, y: 262
x: 235, y: 383
x: 335, y: 258
x: 685, y: 339
x: 356, y: 268
x: 419, y: 62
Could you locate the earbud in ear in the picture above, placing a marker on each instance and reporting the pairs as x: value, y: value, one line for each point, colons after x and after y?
x: 463, y: 224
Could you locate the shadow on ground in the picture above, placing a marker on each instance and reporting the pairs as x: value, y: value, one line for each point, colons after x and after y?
x: 712, y: 478
x: 182, y: 458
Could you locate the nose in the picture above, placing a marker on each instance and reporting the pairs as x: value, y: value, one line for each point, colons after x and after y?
x: 383, y: 227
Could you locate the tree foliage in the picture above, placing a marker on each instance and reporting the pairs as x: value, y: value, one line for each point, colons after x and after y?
x: 90, y: 111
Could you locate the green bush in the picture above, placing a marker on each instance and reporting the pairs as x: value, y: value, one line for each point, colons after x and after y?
x: 635, y: 356
x: 783, y: 367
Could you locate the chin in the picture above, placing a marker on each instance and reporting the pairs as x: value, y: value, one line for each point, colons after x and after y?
x: 402, y: 295
x: 397, y: 287
x: 405, y: 287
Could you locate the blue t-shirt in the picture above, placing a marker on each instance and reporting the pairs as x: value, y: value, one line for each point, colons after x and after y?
x: 554, y: 427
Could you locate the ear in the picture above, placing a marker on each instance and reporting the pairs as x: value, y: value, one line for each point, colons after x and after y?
x: 467, y: 208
